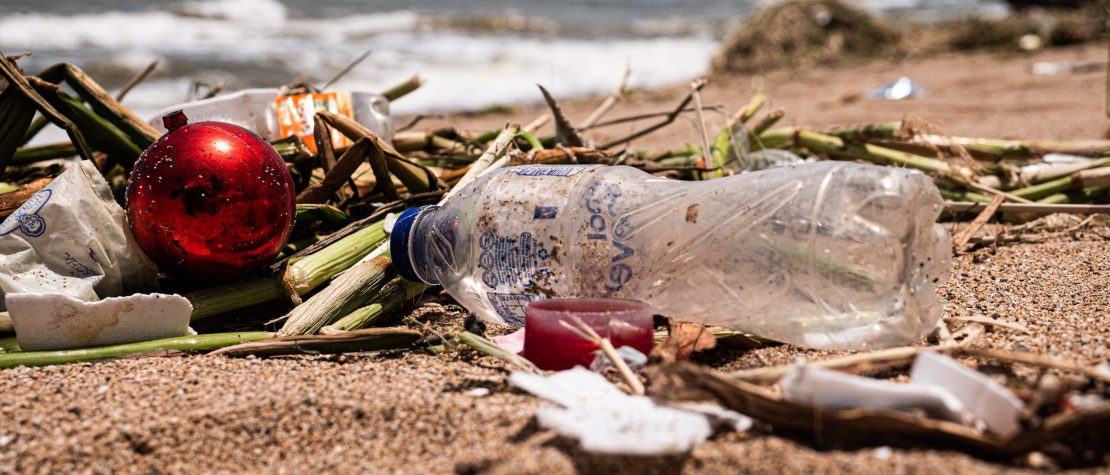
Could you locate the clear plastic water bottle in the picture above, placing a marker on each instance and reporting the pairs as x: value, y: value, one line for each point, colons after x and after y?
x: 823, y: 255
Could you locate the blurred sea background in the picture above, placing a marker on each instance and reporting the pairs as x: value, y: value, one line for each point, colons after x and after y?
x: 473, y: 54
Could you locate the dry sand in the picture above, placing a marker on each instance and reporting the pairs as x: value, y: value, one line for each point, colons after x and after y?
x: 977, y: 95
x: 412, y: 413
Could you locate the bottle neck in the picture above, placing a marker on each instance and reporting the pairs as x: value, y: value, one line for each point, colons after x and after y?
x: 408, y: 244
x: 421, y: 240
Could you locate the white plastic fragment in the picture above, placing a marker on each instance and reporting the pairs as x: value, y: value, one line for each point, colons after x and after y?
x: 989, y: 401
x: 897, y: 90
x: 828, y: 389
x: 571, y: 388
x: 605, y: 420
x: 58, y: 321
x: 513, y: 342
x: 939, y: 386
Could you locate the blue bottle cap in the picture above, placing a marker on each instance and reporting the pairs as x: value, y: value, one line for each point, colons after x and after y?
x: 399, y: 245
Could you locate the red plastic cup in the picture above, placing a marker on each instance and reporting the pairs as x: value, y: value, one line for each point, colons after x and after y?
x: 551, y: 346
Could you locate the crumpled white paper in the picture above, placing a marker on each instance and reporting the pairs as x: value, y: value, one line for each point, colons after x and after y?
x: 605, y: 420
x: 72, y: 238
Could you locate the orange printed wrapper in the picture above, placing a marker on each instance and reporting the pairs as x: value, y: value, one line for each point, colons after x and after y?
x: 294, y: 114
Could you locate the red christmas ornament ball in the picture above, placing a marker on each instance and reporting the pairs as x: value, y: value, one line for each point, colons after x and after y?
x: 210, y: 201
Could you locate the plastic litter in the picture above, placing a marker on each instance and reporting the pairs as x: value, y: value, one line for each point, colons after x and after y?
x: 72, y: 238
x: 829, y: 255
x: 939, y: 386
x: 635, y: 360
x: 513, y: 342
x: 274, y: 117
x: 989, y: 401
x: 58, y: 321
x: 897, y: 90
x: 65, y: 248
x: 833, y: 390
x: 605, y: 420
x: 551, y: 346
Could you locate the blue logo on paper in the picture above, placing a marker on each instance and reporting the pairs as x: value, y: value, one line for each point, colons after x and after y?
x: 26, y: 218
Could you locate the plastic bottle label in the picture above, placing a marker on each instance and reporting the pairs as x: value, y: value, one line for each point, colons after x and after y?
x: 540, y: 170
x: 295, y: 115
x: 538, y: 238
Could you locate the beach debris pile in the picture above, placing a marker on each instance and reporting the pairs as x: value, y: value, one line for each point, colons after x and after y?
x: 802, y: 34
x: 333, y: 287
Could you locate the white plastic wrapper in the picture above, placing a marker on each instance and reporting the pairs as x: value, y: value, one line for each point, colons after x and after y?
x: 72, y: 238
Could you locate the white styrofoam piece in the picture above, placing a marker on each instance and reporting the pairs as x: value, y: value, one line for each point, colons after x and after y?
x: 989, y: 401
x: 58, y: 321
x: 605, y: 420
x: 828, y: 389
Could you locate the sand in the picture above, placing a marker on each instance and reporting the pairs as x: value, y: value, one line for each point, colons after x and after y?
x: 978, y: 95
x: 415, y: 413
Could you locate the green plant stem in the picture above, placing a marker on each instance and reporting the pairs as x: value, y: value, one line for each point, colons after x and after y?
x: 304, y: 275
x: 406, y: 142
x: 835, y: 147
x: 101, y: 134
x: 487, y: 347
x: 311, y: 271
x: 996, y: 147
x: 400, y: 90
x: 392, y: 297
x: 292, y: 149
x: 768, y: 121
x: 330, y: 216
x: 182, y: 343
x: 1065, y: 198
x: 531, y: 139
x: 865, y: 132
x: 9, y: 344
x: 225, y: 298
x: 487, y: 136
x: 103, y: 104
x: 355, y: 288
x: 40, y: 153
x: 370, y: 339
x: 964, y: 196
x: 749, y: 111
x: 16, y: 114
x: 1042, y: 190
x: 36, y: 126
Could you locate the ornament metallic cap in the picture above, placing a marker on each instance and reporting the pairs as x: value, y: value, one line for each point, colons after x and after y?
x: 175, y: 120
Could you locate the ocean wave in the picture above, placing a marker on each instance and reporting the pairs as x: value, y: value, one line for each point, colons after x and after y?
x: 197, y: 26
x: 237, y: 10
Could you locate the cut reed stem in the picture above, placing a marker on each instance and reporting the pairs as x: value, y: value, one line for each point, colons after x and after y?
x: 181, y: 343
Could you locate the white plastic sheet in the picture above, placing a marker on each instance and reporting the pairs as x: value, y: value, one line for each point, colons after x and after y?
x: 72, y: 238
